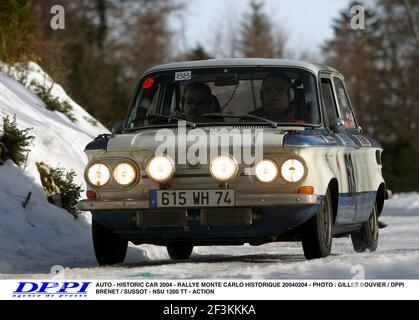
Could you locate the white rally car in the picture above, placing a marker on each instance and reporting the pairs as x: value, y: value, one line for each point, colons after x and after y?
x: 240, y: 166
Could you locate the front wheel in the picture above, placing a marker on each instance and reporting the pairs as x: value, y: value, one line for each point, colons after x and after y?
x: 179, y: 251
x: 109, y: 247
x: 367, y: 236
x: 317, y: 237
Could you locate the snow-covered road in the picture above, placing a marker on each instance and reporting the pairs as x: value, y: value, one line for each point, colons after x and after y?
x: 396, y: 258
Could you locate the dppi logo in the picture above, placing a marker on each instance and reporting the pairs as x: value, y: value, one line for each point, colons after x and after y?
x: 63, y: 289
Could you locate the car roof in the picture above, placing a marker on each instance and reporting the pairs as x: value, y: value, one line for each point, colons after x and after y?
x: 244, y: 62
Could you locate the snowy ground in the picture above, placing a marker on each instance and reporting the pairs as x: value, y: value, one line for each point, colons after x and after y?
x: 396, y: 258
x: 35, y: 239
x: 403, y: 204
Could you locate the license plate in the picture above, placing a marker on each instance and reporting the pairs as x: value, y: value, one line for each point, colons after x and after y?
x: 191, y: 198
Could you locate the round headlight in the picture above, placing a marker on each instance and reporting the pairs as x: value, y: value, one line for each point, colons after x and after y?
x: 292, y: 170
x: 223, y: 168
x: 266, y: 171
x: 160, y: 169
x: 124, y: 173
x: 98, y: 174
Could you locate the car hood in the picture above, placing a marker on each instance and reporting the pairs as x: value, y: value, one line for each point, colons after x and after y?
x: 152, y: 139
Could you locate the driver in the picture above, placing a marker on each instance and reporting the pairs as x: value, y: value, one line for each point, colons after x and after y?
x: 276, y: 95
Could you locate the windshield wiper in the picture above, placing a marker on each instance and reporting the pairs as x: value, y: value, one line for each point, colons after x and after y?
x: 188, y: 123
x: 241, y: 116
x: 151, y: 116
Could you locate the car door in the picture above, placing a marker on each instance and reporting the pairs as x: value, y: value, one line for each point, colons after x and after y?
x: 361, y: 161
x: 340, y: 157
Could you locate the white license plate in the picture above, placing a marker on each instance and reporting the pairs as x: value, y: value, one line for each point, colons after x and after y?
x: 191, y: 198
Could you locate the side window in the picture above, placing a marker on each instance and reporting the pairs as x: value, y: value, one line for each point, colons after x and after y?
x: 329, y: 100
x: 175, y: 103
x: 145, y: 104
x: 344, y: 106
x: 150, y: 99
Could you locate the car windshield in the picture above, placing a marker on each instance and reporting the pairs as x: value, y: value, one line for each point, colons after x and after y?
x: 210, y: 96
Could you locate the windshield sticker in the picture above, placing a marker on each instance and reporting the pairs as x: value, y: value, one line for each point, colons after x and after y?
x: 183, y: 75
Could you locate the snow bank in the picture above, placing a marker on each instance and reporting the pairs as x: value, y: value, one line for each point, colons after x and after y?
x: 58, y: 141
x: 39, y: 234
x: 402, y: 204
x: 42, y: 235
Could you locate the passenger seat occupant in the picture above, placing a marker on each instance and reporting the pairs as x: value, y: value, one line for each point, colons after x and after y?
x: 196, y: 101
x: 276, y: 96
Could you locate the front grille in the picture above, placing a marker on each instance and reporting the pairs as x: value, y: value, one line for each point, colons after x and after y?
x: 226, y: 217
x: 163, y: 218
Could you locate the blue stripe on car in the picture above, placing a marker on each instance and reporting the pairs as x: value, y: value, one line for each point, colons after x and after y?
x: 355, y: 207
x: 309, y: 140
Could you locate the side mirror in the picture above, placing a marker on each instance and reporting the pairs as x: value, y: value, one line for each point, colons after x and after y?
x: 338, y: 125
x: 118, y: 127
x: 360, y: 129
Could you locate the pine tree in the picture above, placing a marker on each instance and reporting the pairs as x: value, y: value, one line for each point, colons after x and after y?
x: 198, y: 53
x: 380, y: 65
x: 150, y: 38
x: 357, y: 55
x: 17, y: 30
x: 14, y: 143
x: 257, y: 33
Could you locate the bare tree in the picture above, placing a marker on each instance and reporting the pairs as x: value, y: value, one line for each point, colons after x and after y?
x: 280, y: 38
x: 412, y: 21
x: 225, y: 42
x: 101, y: 8
x: 104, y: 45
x: 148, y: 37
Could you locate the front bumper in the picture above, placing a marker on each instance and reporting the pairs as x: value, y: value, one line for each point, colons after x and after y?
x: 242, y: 200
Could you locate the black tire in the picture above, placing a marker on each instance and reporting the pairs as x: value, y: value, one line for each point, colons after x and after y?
x: 318, y: 233
x: 179, y: 251
x: 109, y: 247
x: 367, y: 236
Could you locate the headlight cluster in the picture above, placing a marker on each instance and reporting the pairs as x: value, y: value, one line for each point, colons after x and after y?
x: 223, y: 168
x: 99, y: 174
x: 161, y: 169
x: 292, y: 170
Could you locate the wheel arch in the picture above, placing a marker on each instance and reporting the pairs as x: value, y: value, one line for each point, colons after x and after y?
x: 334, y: 192
x: 379, y: 198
